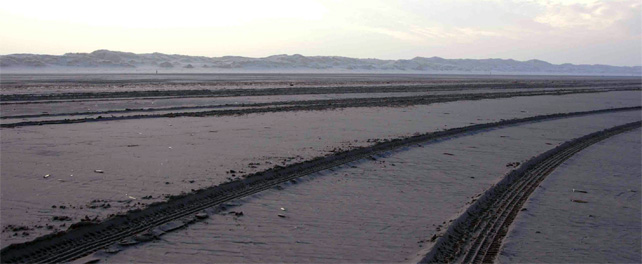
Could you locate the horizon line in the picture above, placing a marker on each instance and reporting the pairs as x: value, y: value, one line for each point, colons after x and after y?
x: 294, y: 54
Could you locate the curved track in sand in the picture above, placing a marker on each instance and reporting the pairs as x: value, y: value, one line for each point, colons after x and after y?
x: 249, y: 90
x: 310, y: 105
x: 477, y: 235
x: 86, y: 237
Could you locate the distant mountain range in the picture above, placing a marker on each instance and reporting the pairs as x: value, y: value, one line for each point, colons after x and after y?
x: 115, y: 61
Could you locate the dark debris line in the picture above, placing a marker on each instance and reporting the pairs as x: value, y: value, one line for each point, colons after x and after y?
x: 476, y: 236
x: 193, y: 93
x: 317, y: 105
x: 87, y: 238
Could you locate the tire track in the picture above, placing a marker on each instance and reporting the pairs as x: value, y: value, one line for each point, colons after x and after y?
x: 85, y: 237
x: 477, y: 235
x: 217, y: 106
x: 195, y: 93
x: 316, y: 105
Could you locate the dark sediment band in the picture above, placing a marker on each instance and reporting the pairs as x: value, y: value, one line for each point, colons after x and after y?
x: 476, y: 236
x: 317, y: 105
x: 84, y: 238
x: 343, y: 89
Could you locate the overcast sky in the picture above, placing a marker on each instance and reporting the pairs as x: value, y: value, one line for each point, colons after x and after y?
x: 558, y: 31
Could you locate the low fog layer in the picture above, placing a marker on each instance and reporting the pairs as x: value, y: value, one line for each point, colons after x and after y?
x: 114, y: 61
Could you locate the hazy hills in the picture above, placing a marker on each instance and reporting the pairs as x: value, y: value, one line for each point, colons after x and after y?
x: 114, y: 61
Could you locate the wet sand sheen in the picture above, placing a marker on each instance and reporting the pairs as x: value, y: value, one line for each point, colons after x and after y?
x: 195, y: 160
x: 604, y: 229
x: 372, y: 211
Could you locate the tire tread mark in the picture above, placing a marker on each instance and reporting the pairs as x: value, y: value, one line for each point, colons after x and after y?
x: 477, y: 235
x: 65, y: 246
x: 316, y: 105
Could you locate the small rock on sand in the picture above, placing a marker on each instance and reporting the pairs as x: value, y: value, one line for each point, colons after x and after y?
x: 127, y: 242
x: 201, y: 215
x: 99, y: 171
x: 112, y: 250
x: 144, y: 237
x: 61, y: 218
x: 96, y: 260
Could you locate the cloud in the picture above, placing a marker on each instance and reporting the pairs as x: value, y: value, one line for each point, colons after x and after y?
x: 591, y: 16
x: 578, y: 31
x: 437, y: 33
x: 159, y: 14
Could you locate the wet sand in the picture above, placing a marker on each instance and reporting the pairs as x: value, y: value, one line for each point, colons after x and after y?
x: 604, y: 229
x: 65, y: 83
x: 371, y: 211
x: 140, y: 156
x: 49, y: 178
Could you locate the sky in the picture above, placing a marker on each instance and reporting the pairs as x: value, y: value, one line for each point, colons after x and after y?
x: 557, y: 31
